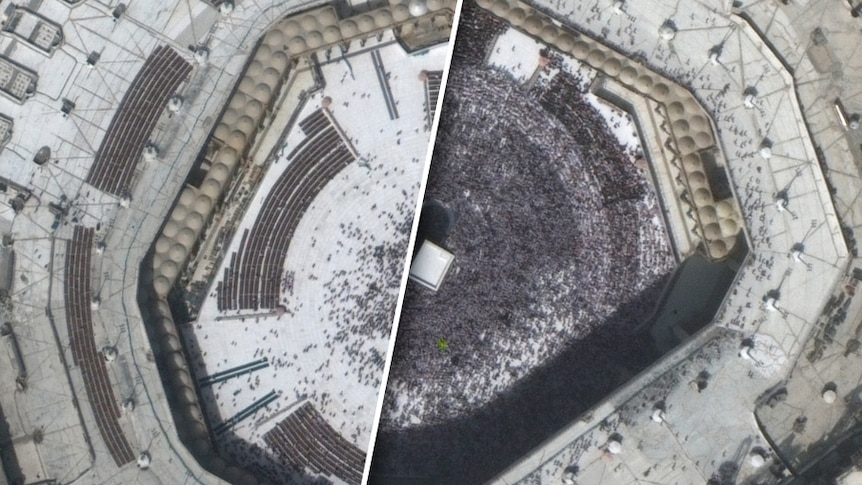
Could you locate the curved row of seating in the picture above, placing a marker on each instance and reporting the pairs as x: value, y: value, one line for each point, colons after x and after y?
x: 253, y: 279
x: 79, y: 320
x: 136, y: 117
x: 305, y: 439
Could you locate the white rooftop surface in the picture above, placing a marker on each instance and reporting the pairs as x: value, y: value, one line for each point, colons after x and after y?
x: 810, y: 219
x: 73, y: 448
x: 430, y: 265
x: 330, y: 345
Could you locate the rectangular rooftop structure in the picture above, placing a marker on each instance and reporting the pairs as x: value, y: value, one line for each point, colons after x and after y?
x: 15, y: 81
x: 33, y: 29
x: 430, y: 265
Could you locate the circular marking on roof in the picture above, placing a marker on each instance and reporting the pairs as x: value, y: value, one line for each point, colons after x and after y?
x: 707, y: 215
x: 349, y: 28
x: 686, y: 144
x: 500, y: 8
x: 171, y: 228
x: 698, y: 123
x: 725, y: 209
x: 612, y: 67
x: 644, y: 83
x: 717, y: 248
x: 596, y: 58
x: 194, y: 221
x: 712, y: 231
x: 382, y: 17
x: 533, y: 24
x: 675, y: 109
x: 254, y: 68
x: 291, y: 28
x: 263, y: 53
x: 400, y: 12
x: 696, y: 179
x: 517, y: 16
x: 221, y: 132
x: 279, y: 61
x: 314, y: 39
x: 161, y: 285
x: 211, y: 189
x: 366, y: 23
x: 163, y: 244
x: 692, y: 162
x: 254, y: 109
x: 331, y: 34
x: 702, y: 197
x: 628, y: 75
x: 204, y: 202
x: 274, y: 38
x: 680, y: 126
x: 186, y: 237
x: 271, y: 75
x: 326, y: 17
x: 226, y: 156
x: 309, y: 22
x: 729, y: 227
x: 178, y: 252
x: 296, y: 45
x: 549, y: 34
x: 236, y: 140
x: 660, y: 91
x: 703, y: 139
x: 581, y: 50
x: 247, y: 84
x: 565, y: 41
x: 179, y: 212
x: 169, y: 269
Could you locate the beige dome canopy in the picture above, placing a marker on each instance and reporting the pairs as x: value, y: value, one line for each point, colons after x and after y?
x: 162, y: 286
x: 169, y: 269
x: 194, y: 221
x: 365, y: 23
x: 517, y: 16
x: 171, y: 228
x: 309, y: 22
x: 291, y: 28
x: 702, y: 197
x: 349, y: 28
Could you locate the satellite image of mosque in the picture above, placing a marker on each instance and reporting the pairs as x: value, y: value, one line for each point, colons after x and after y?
x: 633, y: 256
x: 206, y: 213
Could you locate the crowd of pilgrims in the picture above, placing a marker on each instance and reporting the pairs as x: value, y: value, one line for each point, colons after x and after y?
x: 558, y: 245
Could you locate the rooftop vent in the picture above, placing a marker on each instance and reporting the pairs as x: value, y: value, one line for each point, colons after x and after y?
x: 68, y: 106
x: 93, y: 58
x: 119, y: 11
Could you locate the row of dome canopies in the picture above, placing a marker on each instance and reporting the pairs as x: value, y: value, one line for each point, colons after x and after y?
x: 718, y: 221
x: 322, y: 27
x: 190, y: 422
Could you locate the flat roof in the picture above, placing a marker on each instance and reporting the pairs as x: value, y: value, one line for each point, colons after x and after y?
x: 430, y: 265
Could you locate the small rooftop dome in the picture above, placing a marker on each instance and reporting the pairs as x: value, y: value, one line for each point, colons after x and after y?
x: 418, y: 8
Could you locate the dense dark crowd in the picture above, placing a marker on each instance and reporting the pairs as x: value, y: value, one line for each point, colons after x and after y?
x: 559, y: 257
